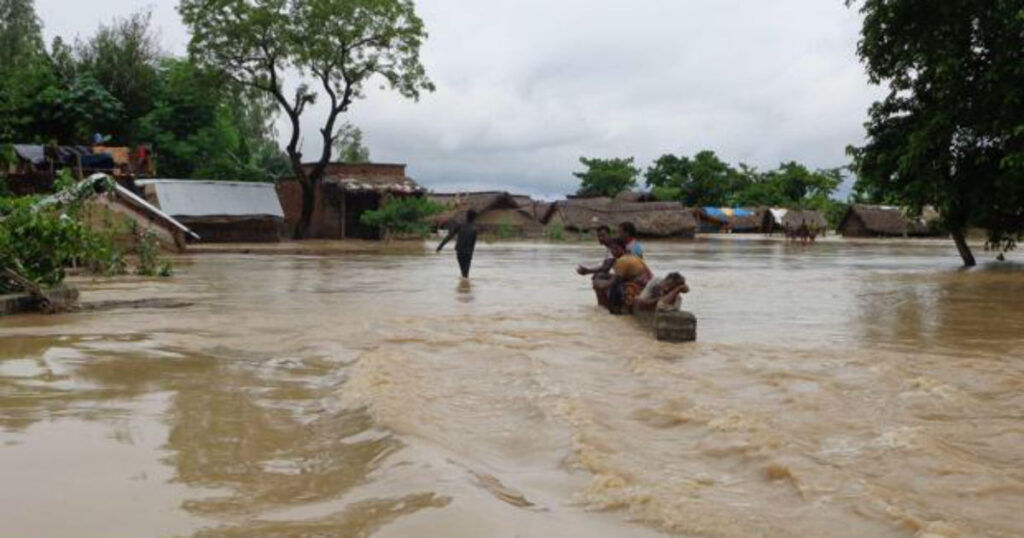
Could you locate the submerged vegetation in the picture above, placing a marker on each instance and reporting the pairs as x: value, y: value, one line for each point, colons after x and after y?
x: 41, y: 238
x: 405, y: 216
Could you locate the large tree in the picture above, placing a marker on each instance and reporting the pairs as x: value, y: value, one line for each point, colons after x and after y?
x: 606, y: 177
x: 21, y: 53
x: 336, y: 46
x: 704, y: 180
x: 950, y: 133
x: 124, y: 57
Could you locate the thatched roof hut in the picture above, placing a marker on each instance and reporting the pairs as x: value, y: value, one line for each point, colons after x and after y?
x: 863, y: 220
x: 497, y: 212
x: 780, y: 220
x: 654, y: 219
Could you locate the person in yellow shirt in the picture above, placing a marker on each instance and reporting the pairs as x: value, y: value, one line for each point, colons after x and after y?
x: 629, y: 276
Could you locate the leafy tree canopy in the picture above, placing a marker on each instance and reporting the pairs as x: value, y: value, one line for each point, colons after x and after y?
x: 606, y: 177
x: 950, y: 133
x: 338, y: 46
x: 349, y: 145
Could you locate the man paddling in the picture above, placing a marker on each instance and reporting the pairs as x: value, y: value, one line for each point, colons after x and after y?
x: 466, y: 242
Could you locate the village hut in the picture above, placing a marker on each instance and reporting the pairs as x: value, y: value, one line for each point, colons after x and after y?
x: 346, y: 191
x: 711, y: 220
x: 863, y: 220
x: 127, y: 217
x: 219, y: 211
x: 634, y: 196
x: 789, y: 220
x: 497, y: 212
x: 744, y: 220
x: 652, y: 219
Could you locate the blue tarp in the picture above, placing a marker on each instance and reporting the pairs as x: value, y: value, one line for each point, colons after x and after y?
x: 726, y: 212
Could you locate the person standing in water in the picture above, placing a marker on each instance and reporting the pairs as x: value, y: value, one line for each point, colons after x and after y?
x: 465, y: 243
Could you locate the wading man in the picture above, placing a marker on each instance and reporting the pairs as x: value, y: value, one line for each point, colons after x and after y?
x: 465, y: 243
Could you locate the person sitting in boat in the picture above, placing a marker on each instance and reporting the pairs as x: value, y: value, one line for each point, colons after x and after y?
x: 629, y: 277
x: 663, y: 294
x: 602, y: 273
x: 627, y: 231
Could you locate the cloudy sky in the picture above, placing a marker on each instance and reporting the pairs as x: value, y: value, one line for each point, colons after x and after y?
x: 525, y: 87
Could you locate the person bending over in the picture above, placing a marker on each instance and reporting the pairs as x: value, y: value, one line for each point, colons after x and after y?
x: 663, y: 294
x: 465, y: 243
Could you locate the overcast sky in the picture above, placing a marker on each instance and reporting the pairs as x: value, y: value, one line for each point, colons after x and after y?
x: 525, y: 87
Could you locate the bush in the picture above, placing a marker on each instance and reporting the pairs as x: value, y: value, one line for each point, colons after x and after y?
x: 555, y: 232
x: 505, y: 230
x: 402, y: 216
x: 39, y: 243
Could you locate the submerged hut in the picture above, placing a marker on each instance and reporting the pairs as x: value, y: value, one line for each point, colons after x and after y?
x: 728, y: 219
x: 710, y: 220
x: 127, y: 217
x: 497, y: 212
x: 345, y: 193
x: 863, y: 220
x: 789, y: 220
x: 652, y: 219
x: 220, y: 211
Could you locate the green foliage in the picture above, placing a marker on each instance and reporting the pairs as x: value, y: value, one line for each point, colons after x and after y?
x: 402, y: 216
x: 349, y: 145
x: 704, y: 180
x: 21, y: 37
x: 119, y: 83
x: 505, y: 230
x: 148, y: 251
x: 204, y: 126
x: 39, y: 243
x: 950, y: 133
x: 606, y: 177
x: 554, y: 232
x: 338, y: 46
x: 123, y: 58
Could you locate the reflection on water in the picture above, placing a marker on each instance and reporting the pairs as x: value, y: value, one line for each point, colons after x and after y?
x: 838, y: 389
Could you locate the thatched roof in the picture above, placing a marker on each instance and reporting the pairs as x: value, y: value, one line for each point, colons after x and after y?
x: 369, y: 177
x: 891, y: 220
x: 459, y: 203
x: 748, y: 219
x: 651, y: 218
x: 794, y: 218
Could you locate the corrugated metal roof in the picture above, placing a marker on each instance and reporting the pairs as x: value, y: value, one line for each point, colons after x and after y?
x: 196, y: 198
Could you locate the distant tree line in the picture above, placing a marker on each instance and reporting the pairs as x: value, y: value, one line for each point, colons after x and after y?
x: 705, y: 180
x: 120, y: 85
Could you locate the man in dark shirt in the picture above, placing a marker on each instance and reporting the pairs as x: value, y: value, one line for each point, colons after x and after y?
x: 466, y: 242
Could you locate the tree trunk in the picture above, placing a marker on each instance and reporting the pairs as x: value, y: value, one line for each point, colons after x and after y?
x: 961, y: 245
x: 306, y: 214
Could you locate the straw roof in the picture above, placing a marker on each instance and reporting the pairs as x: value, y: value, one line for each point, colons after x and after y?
x: 746, y: 220
x: 795, y: 217
x: 650, y: 218
x: 459, y: 203
x: 891, y: 220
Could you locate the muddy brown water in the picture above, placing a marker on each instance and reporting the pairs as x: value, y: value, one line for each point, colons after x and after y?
x: 840, y: 390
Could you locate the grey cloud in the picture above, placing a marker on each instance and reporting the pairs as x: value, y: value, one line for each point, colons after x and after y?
x: 525, y: 87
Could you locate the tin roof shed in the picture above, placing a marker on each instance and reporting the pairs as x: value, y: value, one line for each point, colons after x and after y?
x: 200, y: 198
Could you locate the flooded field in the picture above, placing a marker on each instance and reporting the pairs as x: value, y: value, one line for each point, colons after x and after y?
x: 838, y: 390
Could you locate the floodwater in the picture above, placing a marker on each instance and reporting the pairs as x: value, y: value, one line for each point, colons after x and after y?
x: 836, y: 390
